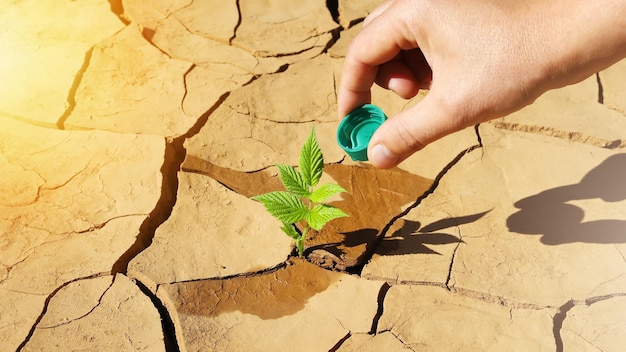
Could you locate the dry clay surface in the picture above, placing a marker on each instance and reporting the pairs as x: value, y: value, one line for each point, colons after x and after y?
x: 133, y: 134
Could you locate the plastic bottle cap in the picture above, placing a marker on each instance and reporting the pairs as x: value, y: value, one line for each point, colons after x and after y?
x: 357, y: 128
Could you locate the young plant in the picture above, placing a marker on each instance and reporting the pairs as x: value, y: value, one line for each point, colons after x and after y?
x: 301, y: 207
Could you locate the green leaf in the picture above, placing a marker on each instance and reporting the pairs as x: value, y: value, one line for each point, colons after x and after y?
x: 284, y: 206
x: 324, y: 191
x: 321, y: 214
x: 311, y: 160
x: 292, y: 180
x: 290, y: 230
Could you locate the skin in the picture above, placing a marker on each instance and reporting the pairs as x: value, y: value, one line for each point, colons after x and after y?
x: 479, y: 59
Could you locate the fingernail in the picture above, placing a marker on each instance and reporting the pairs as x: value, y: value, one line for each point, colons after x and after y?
x: 382, y: 157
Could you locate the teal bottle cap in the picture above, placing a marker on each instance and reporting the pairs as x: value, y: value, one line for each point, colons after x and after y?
x: 357, y: 128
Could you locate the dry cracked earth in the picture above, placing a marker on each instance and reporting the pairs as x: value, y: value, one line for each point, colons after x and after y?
x: 133, y: 134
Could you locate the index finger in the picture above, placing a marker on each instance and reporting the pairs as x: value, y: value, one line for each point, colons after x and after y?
x: 376, y: 44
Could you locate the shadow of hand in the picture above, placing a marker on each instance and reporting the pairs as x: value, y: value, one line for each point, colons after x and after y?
x: 549, y: 215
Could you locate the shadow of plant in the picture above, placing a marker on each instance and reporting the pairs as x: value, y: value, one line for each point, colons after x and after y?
x: 413, y: 238
x: 549, y: 215
x: 374, y: 198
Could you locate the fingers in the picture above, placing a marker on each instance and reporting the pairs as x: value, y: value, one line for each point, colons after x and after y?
x: 406, y: 74
x: 354, y: 90
x: 377, y: 12
x: 378, y: 43
x: 410, y: 131
x: 399, y: 78
x: 366, y: 52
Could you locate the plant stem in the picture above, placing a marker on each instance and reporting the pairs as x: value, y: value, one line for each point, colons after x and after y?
x: 300, y: 243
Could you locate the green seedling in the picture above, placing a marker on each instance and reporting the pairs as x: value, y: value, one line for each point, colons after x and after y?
x: 301, y: 207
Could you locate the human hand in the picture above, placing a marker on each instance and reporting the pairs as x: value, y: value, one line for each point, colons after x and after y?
x: 480, y: 59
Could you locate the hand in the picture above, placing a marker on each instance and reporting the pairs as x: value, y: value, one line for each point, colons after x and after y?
x: 480, y: 59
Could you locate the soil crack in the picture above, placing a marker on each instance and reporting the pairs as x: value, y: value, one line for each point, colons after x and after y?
x: 503, y: 301
x: 117, y: 7
x: 250, y: 274
x: 182, y: 100
x: 47, y: 304
x: 333, y: 8
x: 8, y: 269
x: 578, y: 137
x: 379, y: 312
x: 86, y: 314
x: 8, y: 115
x: 173, y: 158
x: 561, y: 315
x: 456, y: 248
x: 71, y: 96
x: 620, y: 252
x: 239, y: 18
x: 337, y: 346
x: 401, y: 341
x: 167, y: 324
x: 600, y: 89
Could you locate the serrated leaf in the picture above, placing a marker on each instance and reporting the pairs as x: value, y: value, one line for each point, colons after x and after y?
x: 311, y: 160
x: 284, y: 206
x: 290, y: 230
x: 323, y: 213
x: 292, y: 180
x: 324, y: 191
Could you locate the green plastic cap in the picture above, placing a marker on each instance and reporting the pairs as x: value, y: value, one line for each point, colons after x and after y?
x: 357, y: 128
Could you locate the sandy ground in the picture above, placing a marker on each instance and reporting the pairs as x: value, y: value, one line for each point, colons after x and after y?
x: 133, y: 134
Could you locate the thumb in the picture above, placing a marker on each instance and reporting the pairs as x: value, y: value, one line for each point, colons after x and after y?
x: 411, y: 130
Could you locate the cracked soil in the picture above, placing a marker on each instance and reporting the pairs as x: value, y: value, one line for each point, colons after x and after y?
x: 133, y: 134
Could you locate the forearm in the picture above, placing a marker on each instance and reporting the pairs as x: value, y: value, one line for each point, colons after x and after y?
x: 586, y: 37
